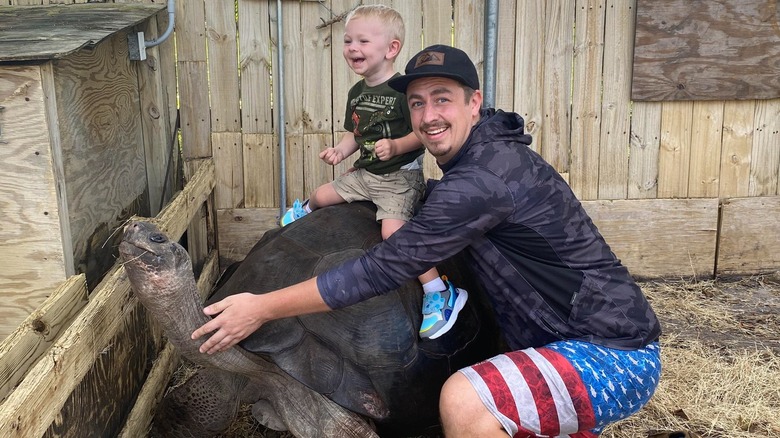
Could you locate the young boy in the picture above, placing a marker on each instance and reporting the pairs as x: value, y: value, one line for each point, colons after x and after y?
x: 389, y: 169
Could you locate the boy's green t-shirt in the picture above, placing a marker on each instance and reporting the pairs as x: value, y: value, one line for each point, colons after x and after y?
x: 374, y: 113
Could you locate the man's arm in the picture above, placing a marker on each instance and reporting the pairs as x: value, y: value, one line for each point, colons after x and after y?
x: 240, y: 315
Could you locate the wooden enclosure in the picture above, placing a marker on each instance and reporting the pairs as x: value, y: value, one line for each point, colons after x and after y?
x: 684, y: 188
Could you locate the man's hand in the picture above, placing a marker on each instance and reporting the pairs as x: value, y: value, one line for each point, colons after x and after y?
x: 236, y: 319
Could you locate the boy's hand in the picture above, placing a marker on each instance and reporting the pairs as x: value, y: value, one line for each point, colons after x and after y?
x: 332, y: 156
x: 385, y: 149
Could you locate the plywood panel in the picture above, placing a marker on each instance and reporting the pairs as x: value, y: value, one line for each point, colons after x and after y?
x: 586, y: 98
x: 615, y: 113
x: 717, y: 50
x: 102, y: 146
x: 31, y: 250
x: 660, y: 237
x: 255, y: 63
x: 750, y: 235
x: 223, y: 65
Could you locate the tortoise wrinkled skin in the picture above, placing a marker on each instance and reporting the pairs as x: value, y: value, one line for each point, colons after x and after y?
x: 327, y: 374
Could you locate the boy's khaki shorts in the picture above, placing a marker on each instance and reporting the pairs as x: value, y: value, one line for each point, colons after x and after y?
x: 395, y: 194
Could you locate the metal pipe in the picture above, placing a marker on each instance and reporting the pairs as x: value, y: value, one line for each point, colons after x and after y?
x: 279, y: 104
x: 490, y: 48
x: 168, y: 31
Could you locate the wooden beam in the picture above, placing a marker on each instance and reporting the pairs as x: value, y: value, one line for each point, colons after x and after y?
x: 750, y: 236
x: 22, y: 348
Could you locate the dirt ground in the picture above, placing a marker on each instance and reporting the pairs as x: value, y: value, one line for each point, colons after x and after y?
x: 721, y: 359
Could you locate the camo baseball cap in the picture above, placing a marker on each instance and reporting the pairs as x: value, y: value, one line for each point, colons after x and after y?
x: 438, y: 61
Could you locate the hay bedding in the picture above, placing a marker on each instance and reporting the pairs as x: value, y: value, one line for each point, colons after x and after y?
x: 721, y: 359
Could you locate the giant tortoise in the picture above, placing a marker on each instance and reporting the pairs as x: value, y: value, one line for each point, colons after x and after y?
x: 357, y: 371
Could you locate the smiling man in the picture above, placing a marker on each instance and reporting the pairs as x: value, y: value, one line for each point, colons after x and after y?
x: 583, y: 339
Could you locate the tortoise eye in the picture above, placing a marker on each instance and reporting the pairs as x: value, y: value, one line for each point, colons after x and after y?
x: 157, y: 238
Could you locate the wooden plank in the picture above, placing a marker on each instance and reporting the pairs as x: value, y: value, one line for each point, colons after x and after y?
x: 707, y: 131
x: 718, y: 50
x: 316, y: 172
x: 660, y: 237
x: 437, y: 25
x: 229, y: 173
x: 155, y: 123
x: 750, y: 236
x: 31, y: 242
x: 175, y: 217
x: 255, y: 63
x: 22, y: 348
x: 615, y: 111
x: 558, y: 49
x: 190, y: 32
x: 317, y: 115
x: 102, y: 146
x: 505, y: 56
x: 240, y: 229
x: 765, y: 160
x: 261, y: 170
x: 48, y: 32
x: 411, y: 12
x: 156, y: 383
x: 343, y: 79
x: 223, y: 64
x: 586, y: 98
x: 737, y: 144
x: 529, y: 73
x: 675, y: 153
x: 194, y: 110
x: 645, y: 147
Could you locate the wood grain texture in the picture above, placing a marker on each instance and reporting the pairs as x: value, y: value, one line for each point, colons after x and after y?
x: 255, y: 61
x: 48, y: 32
x: 715, y: 50
x: 660, y: 237
x: 240, y: 229
x: 221, y: 40
x: 750, y: 235
x: 645, y: 143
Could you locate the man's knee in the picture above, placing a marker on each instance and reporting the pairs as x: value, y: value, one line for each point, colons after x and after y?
x: 462, y: 411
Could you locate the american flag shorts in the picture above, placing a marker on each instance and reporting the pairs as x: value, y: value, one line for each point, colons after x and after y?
x: 567, y: 388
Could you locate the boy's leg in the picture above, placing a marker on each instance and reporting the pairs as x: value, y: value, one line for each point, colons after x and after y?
x: 566, y: 388
x: 324, y: 196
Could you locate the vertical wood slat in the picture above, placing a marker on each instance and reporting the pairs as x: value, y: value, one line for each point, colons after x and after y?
x: 255, y: 63
x: 530, y: 37
x: 505, y: 56
x: 586, y: 98
x: 261, y: 170
x: 645, y: 145
x: 735, y: 152
x: 707, y: 129
x: 343, y: 79
x: 559, y: 42
x: 194, y: 109
x: 223, y: 65
x: 675, y: 153
x: 411, y: 12
x: 615, y: 124
x: 228, y: 173
x: 765, y: 161
x: 190, y: 31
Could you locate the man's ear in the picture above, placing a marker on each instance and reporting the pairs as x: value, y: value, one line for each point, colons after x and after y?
x: 394, y: 49
x: 476, y: 102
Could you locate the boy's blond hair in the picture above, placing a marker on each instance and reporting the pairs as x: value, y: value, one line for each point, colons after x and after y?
x: 387, y: 15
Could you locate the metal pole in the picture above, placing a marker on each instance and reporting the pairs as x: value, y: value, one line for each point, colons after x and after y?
x: 279, y: 101
x: 490, y: 48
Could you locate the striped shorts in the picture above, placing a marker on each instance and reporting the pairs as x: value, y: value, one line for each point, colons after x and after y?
x: 567, y: 388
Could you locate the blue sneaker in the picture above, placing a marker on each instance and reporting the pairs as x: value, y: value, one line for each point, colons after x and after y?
x: 294, y: 213
x: 440, y: 310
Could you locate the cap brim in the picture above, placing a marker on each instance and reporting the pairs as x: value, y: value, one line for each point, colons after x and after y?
x: 401, y: 83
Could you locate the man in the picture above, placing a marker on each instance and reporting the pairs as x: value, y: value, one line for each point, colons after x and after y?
x: 584, y: 339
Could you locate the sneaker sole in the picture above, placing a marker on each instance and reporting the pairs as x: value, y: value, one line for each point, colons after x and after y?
x: 463, y: 296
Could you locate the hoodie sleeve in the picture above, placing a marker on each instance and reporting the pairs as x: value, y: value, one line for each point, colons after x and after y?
x: 463, y: 206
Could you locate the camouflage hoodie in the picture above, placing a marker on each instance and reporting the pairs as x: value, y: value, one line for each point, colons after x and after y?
x: 546, y: 268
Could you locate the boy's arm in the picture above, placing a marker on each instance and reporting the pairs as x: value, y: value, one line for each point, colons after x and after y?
x: 387, y: 148
x: 346, y: 147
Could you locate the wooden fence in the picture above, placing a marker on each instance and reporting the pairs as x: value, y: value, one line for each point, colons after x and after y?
x: 564, y: 65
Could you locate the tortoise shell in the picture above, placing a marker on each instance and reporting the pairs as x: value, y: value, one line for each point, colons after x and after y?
x: 367, y: 357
